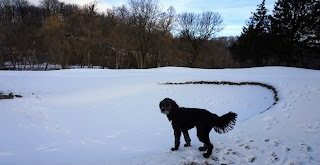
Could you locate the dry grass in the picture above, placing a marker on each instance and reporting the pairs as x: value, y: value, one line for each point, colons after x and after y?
x: 270, y: 87
x: 9, y: 96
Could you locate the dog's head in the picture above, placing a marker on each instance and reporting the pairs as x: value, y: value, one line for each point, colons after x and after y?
x: 167, y: 106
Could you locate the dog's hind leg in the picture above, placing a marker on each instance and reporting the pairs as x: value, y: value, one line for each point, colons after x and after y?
x: 203, y: 135
x: 207, y: 145
x: 203, y: 148
x: 186, y: 138
x: 210, y: 148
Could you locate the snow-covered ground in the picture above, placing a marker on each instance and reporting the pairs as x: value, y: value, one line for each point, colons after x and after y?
x: 96, y: 117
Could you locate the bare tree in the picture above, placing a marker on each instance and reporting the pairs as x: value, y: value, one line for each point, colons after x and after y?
x: 51, y: 6
x: 198, y: 29
x: 144, y: 17
x: 53, y: 31
x: 164, y: 44
x: 167, y: 20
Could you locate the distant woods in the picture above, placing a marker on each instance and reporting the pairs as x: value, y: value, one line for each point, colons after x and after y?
x: 141, y: 34
x: 290, y: 36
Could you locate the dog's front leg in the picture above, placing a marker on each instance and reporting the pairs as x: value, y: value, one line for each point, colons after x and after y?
x: 177, y: 135
x: 186, y: 138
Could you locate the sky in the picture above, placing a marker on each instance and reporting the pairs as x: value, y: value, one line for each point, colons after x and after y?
x: 234, y: 13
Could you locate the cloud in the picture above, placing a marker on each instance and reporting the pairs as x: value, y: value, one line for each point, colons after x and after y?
x: 102, y: 5
x: 236, y: 13
x: 179, y: 5
x: 79, y: 2
x: 35, y: 2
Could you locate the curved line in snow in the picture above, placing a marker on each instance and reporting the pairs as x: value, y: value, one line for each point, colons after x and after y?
x: 270, y: 87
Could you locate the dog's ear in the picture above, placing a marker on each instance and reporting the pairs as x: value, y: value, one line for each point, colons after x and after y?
x: 174, y: 105
x: 163, y: 102
x: 167, y: 101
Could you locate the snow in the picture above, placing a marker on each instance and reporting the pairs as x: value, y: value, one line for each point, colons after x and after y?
x: 91, y: 116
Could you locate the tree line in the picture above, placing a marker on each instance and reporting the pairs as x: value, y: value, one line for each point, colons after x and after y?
x: 290, y: 36
x: 140, y: 34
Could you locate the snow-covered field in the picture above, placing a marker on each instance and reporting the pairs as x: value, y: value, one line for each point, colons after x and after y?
x: 102, y: 117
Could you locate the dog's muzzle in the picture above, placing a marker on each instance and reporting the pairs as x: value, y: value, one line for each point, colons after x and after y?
x: 165, y: 111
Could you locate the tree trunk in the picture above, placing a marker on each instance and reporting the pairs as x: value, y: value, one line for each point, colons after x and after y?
x: 89, y: 59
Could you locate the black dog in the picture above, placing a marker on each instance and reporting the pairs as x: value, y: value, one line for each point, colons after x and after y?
x: 184, y: 119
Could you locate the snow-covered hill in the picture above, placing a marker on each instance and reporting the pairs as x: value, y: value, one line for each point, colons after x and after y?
x: 80, y: 117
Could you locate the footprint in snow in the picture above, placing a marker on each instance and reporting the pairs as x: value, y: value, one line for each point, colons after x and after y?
x: 237, y: 138
x: 286, y: 106
x: 269, y: 120
x: 251, y: 159
x: 273, y: 158
x: 305, y: 147
x: 247, y: 147
x: 312, y: 127
x: 276, y: 143
x: 287, y: 116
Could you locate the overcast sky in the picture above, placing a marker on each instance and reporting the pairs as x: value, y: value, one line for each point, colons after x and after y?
x: 234, y: 13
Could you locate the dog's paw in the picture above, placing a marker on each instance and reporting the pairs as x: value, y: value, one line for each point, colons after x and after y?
x: 174, y: 149
x: 206, y: 155
x: 187, y: 145
x: 203, y: 148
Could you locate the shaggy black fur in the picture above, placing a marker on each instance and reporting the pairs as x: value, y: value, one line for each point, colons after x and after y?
x: 183, y: 119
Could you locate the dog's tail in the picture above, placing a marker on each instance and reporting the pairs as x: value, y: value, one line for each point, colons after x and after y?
x: 224, y: 123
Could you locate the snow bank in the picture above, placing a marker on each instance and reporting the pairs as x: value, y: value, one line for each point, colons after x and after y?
x: 85, y: 116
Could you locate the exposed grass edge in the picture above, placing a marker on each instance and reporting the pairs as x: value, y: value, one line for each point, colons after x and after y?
x: 270, y: 87
x: 9, y: 96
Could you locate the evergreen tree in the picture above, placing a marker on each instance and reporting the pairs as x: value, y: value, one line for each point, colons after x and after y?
x: 296, y: 24
x: 259, y: 21
x: 252, y: 44
x: 310, y: 27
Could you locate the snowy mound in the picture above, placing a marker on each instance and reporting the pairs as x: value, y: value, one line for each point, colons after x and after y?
x: 112, y: 116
